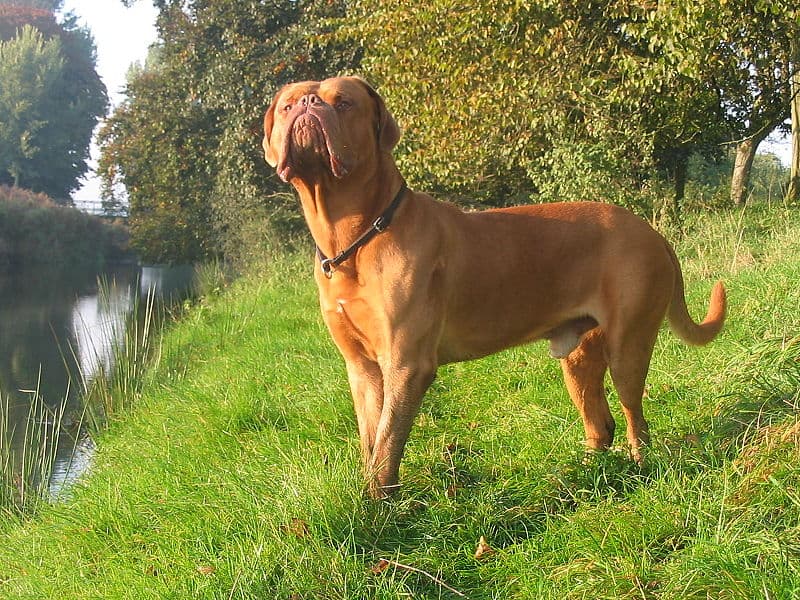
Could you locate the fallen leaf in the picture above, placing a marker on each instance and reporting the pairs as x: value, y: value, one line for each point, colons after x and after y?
x: 296, y: 527
x: 451, y: 492
x: 206, y: 569
x: 693, y: 440
x: 484, y: 550
x: 450, y: 450
x: 380, y: 566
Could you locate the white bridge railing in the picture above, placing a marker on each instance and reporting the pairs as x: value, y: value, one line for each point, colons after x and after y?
x: 96, y: 207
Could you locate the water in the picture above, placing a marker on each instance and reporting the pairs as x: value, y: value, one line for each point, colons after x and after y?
x: 55, y: 328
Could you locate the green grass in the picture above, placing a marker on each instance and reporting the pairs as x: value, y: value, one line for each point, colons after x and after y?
x: 26, y: 466
x: 237, y: 476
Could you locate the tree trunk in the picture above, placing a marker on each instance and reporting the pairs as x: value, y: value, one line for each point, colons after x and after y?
x: 793, y: 193
x: 681, y: 170
x: 745, y: 153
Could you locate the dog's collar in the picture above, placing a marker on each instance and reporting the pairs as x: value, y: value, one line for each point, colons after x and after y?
x: 329, y: 265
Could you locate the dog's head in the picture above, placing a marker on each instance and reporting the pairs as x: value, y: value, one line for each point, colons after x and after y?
x: 318, y: 128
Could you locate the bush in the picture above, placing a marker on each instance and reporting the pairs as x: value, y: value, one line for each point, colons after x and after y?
x: 34, y: 229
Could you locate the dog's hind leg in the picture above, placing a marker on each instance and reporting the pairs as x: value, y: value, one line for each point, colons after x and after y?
x: 584, y: 371
x: 629, y: 360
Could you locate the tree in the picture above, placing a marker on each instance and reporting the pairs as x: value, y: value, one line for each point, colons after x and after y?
x: 165, y: 161
x: 793, y: 193
x: 186, y: 144
x: 553, y: 99
x: 53, y: 154
x: 759, y: 45
x: 48, y: 5
x: 553, y: 95
x: 31, y: 70
x: 739, y: 50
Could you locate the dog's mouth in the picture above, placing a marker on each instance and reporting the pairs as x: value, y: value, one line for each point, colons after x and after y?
x: 310, y: 145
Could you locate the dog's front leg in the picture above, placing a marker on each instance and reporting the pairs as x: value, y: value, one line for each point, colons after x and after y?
x: 405, y: 383
x: 366, y: 386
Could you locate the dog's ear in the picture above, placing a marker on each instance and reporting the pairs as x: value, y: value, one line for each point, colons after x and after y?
x: 388, y: 131
x: 269, y: 120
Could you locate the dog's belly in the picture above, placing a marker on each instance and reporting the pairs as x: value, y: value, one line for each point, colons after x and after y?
x: 462, y: 341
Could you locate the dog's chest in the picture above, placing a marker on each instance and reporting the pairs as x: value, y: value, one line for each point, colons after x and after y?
x: 354, y: 324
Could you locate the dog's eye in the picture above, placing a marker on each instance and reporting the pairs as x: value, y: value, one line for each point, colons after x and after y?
x: 287, y: 107
x: 343, y: 105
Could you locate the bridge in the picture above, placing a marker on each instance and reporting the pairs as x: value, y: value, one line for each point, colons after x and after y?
x: 99, y: 209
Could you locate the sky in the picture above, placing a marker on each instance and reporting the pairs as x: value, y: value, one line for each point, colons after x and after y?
x: 780, y: 145
x: 122, y: 37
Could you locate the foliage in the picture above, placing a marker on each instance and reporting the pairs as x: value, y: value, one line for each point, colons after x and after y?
x: 499, y: 103
x: 551, y: 97
x: 187, y: 142
x: 573, y: 99
x: 50, y: 101
x: 166, y: 165
x: 30, y: 70
x: 708, y: 186
x: 47, y: 5
x: 737, y: 53
x: 34, y: 229
x: 25, y: 472
x: 15, y: 17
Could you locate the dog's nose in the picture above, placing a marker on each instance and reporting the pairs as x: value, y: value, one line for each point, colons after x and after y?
x: 310, y: 100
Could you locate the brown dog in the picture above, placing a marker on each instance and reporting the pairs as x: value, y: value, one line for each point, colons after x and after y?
x: 429, y: 284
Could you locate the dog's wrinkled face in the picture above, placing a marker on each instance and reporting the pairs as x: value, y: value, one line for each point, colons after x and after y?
x: 325, y: 127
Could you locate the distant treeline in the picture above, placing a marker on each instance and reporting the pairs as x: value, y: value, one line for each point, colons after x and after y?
x: 34, y: 230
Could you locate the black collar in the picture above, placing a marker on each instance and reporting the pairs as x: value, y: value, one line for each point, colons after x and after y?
x: 329, y: 265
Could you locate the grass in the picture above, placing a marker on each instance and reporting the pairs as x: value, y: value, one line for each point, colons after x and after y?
x: 236, y: 475
x: 116, y: 386
x: 26, y: 466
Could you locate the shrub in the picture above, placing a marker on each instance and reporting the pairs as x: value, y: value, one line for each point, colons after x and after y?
x: 34, y: 229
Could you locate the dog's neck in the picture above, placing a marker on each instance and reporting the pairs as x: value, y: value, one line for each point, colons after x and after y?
x: 337, y: 212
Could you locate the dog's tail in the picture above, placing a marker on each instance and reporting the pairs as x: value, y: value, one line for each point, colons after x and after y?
x: 681, y: 322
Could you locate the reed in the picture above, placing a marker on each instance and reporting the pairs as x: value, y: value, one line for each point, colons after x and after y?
x: 27, y: 457
x: 116, y: 384
x: 107, y: 393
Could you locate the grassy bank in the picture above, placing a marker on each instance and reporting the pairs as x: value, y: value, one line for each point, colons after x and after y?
x: 237, y: 476
x: 34, y: 229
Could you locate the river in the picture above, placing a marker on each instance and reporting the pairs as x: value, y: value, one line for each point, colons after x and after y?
x: 57, y: 328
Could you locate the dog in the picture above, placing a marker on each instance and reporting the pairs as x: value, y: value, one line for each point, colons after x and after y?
x: 407, y: 283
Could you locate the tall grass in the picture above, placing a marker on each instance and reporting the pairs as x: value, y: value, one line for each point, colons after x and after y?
x: 106, y: 394
x: 27, y: 457
x: 115, y: 386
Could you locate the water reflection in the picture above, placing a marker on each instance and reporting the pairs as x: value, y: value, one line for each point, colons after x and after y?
x: 98, y: 323
x: 56, y: 330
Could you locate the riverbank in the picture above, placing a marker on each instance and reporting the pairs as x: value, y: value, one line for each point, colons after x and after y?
x: 237, y: 474
x: 35, y: 230
x: 65, y: 333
